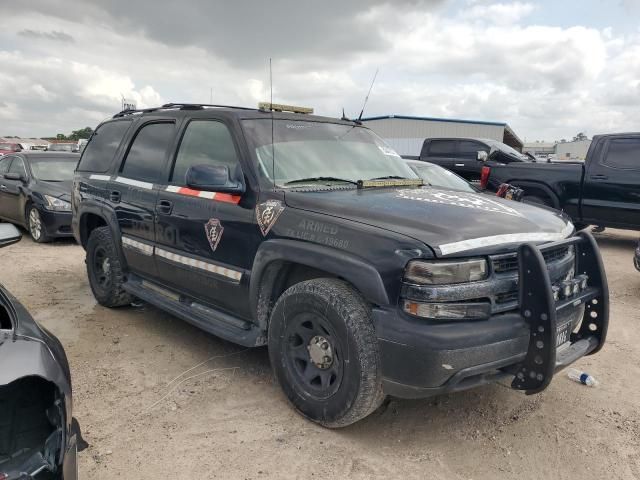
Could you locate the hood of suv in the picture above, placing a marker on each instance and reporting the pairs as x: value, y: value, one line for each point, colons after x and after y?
x: 450, y: 222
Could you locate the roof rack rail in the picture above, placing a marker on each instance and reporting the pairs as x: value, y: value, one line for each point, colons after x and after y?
x: 181, y: 106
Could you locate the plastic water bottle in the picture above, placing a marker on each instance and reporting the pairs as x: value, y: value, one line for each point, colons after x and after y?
x: 582, y: 377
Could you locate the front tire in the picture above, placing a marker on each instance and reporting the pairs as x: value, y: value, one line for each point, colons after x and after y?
x: 104, y: 269
x: 36, y: 227
x: 324, y: 352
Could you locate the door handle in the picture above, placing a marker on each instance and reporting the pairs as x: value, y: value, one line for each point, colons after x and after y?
x: 115, y: 196
x: 164, y: 207
x: 599, y: 177
x: 459, y: 164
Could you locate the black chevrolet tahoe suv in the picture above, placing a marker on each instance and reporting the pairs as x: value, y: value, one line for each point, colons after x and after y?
x: 603, y: 190
x: 312, y: 236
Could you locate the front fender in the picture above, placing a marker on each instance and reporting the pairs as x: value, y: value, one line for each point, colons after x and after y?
x: 363, y: 276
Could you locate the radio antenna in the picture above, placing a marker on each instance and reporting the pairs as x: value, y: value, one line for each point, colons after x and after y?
x: 366, y: 99
x: 273, y: 147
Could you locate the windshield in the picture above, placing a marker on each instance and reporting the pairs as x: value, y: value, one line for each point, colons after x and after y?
x: 436, y: 176
x: 61, y: 147
x: 325, y: 152
x: 50, y: 170
x: 506, y: 148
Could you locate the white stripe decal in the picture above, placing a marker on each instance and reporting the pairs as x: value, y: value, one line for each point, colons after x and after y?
x: 144, y: 248
x: 173, y: 188
x: 455, y: 247
x: 134, y: 183
x: 106, y: 178
x: 192, y: 262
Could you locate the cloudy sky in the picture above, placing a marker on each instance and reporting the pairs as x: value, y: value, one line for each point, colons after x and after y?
x: 550, y: 69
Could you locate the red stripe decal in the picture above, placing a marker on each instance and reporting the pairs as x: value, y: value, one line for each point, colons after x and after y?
x: 189, y: 191
x: 225, y: 197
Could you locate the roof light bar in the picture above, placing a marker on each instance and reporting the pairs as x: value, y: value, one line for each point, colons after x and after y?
x: 279, y: 107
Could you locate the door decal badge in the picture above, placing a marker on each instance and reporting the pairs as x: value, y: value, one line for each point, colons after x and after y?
x: 267, y: 213
x: 214, y: 230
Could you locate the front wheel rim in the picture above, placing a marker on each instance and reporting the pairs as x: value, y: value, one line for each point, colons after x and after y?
x: 313, y: 355
x: 35, y: 224
x: 101, y: 268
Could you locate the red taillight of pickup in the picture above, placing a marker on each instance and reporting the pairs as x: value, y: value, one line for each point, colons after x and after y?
x: 484, y: 177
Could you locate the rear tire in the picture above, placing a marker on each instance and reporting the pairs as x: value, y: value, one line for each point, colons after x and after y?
x: 104, y: 269
x: 324, y: 352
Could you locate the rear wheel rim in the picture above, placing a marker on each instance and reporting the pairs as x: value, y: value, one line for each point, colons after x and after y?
x: 35, y: 224
x: 312, y: 355
x: 101, y: 268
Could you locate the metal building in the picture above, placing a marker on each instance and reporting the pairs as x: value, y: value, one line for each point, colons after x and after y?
x: 406, y: 134
x: 572, y: 150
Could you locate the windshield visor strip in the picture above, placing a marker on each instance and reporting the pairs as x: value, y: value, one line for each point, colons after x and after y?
x: 491, y: 241
x: 217, y: 196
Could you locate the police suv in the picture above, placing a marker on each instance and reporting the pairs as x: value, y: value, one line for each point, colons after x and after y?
x: 310, y: 235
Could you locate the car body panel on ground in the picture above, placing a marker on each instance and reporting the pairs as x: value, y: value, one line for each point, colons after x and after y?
x: 37, y: 429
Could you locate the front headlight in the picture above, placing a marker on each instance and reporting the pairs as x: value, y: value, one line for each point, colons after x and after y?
x: 422, y: 272
x: 55, y: 204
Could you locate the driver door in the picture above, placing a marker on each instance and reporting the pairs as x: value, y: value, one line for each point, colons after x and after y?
x: 206, y: 241
x: 11, y: 191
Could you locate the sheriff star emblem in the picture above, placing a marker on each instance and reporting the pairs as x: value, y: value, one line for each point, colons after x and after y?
x: 267, y: 213
x: 213, y: 229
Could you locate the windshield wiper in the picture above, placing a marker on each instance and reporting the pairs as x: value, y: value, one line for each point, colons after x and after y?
x: 392, y: 177
x: 320, y: 179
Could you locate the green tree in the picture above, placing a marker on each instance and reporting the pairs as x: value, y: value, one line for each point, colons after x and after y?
x: 80, y: 134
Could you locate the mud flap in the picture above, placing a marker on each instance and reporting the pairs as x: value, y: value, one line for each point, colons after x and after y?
x: 539, y: 309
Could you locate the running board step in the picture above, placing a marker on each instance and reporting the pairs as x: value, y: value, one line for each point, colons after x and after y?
x: 208, y: 319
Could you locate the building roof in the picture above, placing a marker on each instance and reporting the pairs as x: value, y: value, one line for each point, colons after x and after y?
x: 510, y: 136
x: 435, y: 119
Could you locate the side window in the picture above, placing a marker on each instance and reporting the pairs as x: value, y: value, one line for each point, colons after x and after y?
x: 18, y: 167
x: 206, y: 142
x: 4, y: 165
x: 146, y: 155
x: 99, y: 152
x: 467, y: 149
x: 624, y: 153
x: 442, y: 148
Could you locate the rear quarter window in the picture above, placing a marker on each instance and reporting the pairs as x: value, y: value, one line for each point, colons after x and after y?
x: 99, y: 152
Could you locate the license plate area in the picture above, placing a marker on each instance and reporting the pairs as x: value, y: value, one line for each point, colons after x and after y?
x: 563, y: 334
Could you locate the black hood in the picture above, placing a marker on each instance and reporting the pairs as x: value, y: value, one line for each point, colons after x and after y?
x: 61, y: 190
x: 450, y: 222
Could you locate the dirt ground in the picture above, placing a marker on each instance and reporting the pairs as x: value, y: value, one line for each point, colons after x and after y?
x: 158, y: 398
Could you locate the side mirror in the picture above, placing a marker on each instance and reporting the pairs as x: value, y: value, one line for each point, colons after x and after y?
x: 14, y: 176
x: 482, y: 156
x: 213, y: 178
x: 9, y: 234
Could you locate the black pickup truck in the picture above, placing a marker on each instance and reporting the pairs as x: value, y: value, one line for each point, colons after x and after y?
x: 465, y: 156
x: 604, y: 190
x: 311, y: 236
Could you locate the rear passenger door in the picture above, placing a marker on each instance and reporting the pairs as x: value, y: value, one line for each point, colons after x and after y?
x: 440, y: 152
x: 12, y: 190
x: 466, y: 163
x: 134, y: 190
x: 611, y: 192
x: 5, y: 162
x: 206, y: 241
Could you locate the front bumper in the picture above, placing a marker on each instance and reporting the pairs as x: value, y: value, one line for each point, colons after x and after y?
x: 56, y: 224
x: 422, y: 359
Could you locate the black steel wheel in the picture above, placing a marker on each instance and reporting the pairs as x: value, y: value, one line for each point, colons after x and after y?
x: 104, y: 269
x: 324, y: 352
